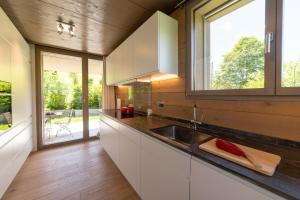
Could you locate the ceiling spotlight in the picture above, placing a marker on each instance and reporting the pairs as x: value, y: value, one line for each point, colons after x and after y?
x: 60, y: 28
x: 65, y: 27
x: 72, y: 30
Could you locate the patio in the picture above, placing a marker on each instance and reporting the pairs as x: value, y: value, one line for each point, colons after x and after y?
x: 54, y: 134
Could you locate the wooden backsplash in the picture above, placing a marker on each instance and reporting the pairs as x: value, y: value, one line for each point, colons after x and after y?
x: 273, y: 118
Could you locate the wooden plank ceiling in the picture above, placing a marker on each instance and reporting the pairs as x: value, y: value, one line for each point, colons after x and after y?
x: 101, y: 25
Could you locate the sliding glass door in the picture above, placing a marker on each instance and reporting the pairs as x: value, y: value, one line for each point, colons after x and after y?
x: 69, y: 96
x: 62, y: 98
x: 95, y: 73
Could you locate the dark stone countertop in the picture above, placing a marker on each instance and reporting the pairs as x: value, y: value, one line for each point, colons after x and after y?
x: 286, y: 180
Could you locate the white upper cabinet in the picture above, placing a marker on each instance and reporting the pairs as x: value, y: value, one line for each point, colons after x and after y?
x: 146, y: 47
x: 151, y: 49
x: 110, y: 70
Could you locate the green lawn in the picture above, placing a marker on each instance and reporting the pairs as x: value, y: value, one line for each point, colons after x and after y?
x: 3, y: 127
x: 74, y: 119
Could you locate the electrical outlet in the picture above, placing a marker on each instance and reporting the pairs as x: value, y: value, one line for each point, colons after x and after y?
x: 161, y: 104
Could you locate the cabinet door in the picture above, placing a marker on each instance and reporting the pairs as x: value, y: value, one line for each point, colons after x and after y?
x: 146, y: 47
x: 104, y: 137
x: 118, y: 63
x: 115, y: 146
x: 110, y: 141
x: 209, y: 182
x: 110, y: 75
x: 164, y: 171
x: 127, y: 69
x: 130, y: 156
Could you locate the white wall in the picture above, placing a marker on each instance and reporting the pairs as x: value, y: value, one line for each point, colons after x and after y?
x: 33, y: 89
x: 15, y: 65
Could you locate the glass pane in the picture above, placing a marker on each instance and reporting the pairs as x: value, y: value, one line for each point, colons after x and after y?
x: 6, y: 118
x: 62, y: 98
x: 291, y: 44
x: 95, y: 95
x: 233, y: 47
x: 5, y: 106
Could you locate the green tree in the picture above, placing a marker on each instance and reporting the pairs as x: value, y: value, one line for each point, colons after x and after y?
x: 5, y: 103
x: 55, y: 91
x: 5, y: 87
x: 56, y: 100
x: 95, y: 92
x: 291, y: 74
x: 94, y: 96
x: 242, y: 67
x: 76, y: 102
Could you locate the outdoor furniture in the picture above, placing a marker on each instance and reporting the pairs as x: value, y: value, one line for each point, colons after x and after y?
x: 64, y: 126
x: 48, y: 129
x: 51, y: 115
x: 48, y: 120
x: 8, y: 118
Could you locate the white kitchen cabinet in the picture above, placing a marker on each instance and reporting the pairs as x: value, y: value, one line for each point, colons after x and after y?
x: 165, y: 171
x: 145, y: 47
x: 110, y: 80
x: 130, y: 156
x: 15, y: 67
x: 128, y: 69
x: 119, y: 64
x: 151, y: 49
x: 211, y: 183
x: 158, y: 171
x: 110, y: 139
x: 123, y: 145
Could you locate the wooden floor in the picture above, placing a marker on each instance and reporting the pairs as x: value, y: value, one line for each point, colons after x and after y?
x: 79, y: 171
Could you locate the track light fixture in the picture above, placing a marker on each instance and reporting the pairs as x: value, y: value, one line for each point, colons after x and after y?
x: 65, y: 27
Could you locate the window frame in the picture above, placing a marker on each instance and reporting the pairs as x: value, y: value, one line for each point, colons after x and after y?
x: 280, y: 91
x: 270, y: 62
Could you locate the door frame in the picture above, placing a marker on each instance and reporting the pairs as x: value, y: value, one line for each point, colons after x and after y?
x: 39, y: 92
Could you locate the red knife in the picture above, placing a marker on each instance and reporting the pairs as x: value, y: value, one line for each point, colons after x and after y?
x: 233, y: 149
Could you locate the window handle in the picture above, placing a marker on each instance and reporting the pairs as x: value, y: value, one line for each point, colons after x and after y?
x: 268, y: 39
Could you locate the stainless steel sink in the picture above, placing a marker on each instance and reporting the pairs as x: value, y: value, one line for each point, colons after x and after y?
x: 181, y: 134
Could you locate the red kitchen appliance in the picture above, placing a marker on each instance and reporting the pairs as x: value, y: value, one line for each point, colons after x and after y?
x: 127, y: 110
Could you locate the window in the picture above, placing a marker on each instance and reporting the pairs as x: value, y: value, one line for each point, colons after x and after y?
x: 234, y: 47
x: 5, y: 105
x: 290, y: 45
x: 243, y: 47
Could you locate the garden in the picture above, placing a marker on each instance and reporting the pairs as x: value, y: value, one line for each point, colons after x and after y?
x: 62, y: 92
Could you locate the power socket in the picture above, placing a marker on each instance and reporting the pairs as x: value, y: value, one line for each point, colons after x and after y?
x: 161, y: 104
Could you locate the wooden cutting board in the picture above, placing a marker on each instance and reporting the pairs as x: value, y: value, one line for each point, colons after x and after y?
x: 267, y: 161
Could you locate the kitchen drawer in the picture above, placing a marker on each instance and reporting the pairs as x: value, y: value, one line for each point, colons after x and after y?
x: 111, y: 122
x: 132, y: 135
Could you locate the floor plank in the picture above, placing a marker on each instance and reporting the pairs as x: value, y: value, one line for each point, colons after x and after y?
x: 75, y: 172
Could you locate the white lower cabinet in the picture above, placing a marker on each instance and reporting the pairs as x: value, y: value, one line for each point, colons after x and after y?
x: 158, y: 171
x: 164, y: 171
x: 110, y: 141
x: 130, y: 156
x: 211, y: 183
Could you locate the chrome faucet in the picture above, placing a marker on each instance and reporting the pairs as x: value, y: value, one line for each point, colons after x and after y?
x: 194, y: 121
